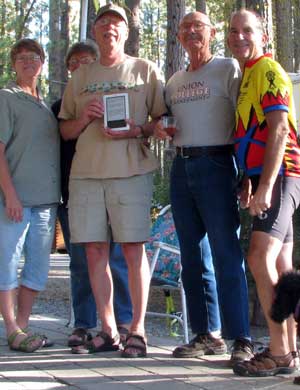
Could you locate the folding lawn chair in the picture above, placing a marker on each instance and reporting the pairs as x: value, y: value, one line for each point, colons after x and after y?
x: 164, y: 257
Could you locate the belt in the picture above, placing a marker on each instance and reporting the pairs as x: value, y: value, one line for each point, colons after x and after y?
x: 202, y: 151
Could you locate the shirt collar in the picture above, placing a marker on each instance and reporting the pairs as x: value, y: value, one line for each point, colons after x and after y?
x: 250, y: 63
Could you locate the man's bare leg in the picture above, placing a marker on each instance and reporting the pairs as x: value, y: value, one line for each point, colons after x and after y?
x: 102, y: 286
x: 262, y: 259
x: 139, y: 282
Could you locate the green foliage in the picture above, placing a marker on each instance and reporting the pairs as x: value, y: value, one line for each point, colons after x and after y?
x: 19, y: 19
x: 154, y: 31
x: 161, y: 195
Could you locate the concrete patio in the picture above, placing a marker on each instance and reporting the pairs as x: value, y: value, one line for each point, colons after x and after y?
x: 56, y: 368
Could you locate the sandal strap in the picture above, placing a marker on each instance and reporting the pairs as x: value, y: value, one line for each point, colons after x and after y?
x: 267, y: 359
x: 12, y: 337
x: 24, y: 343
x: 107, y: 339
x: 135, y: 343
x: 137, y: 337
x: 109, y: 343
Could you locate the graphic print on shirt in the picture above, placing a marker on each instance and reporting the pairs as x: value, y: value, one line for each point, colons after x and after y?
x: 196, y: 90
x: 265, y: 88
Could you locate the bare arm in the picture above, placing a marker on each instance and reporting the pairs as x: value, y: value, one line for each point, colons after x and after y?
x: 72, y: 128
x: 14, y: 208
x: 278, y: 125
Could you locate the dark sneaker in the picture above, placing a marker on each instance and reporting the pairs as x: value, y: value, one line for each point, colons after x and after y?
x: 265, y: 364
x: 241, y: 350
x: 201, y: 345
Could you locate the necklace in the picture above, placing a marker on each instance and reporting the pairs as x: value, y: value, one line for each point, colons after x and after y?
x: 199, y: 65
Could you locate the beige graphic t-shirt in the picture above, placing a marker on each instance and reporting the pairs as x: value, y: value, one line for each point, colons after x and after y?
x: 96, y: 155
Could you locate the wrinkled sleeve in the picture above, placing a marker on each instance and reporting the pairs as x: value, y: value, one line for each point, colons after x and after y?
x: 275, y: 88
x: 6, y: 118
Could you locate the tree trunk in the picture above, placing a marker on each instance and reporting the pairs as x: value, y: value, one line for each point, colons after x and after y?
x: 268, y: 17
x: 174, y: 59
x: 91, y: 18
x: 175, y: 52
x: 256, y: 5
x: 283, y: 10
x: 2, y: 35
x: 201, y: 6
x: 133, y: 42
x: 65, y: 40
x: 23, y: 11
x: 296, y: 14
x: 228, y: 9
x: 59, y: 41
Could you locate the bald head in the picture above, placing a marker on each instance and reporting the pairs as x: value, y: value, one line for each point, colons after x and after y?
x: 195, y: 34
x: 195, y: 15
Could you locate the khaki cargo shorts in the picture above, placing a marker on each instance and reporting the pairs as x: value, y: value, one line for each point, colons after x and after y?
x: 99, y: 207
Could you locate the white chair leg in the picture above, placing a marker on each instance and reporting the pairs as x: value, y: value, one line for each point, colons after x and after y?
x: 184, y: 314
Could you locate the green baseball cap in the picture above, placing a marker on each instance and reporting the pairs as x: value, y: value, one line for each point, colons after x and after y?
x: 112, y: 8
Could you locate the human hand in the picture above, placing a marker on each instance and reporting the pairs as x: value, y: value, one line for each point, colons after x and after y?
x: 13, y: 208
x: 92, y: 110
x: 261, y: 200
x: 133, y: 131
x: 160, y: 132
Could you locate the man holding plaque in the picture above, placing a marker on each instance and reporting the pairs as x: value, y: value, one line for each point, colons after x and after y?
x: 111, y: 175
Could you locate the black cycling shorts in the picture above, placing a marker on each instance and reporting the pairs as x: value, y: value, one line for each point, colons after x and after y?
x: 277, y: 220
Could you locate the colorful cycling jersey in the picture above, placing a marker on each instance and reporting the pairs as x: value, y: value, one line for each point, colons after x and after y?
x: 265, y: 87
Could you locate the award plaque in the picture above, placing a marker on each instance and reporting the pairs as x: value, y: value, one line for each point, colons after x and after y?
x: 116, y: 111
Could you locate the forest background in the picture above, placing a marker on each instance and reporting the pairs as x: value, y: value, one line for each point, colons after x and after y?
x: 153, y: 28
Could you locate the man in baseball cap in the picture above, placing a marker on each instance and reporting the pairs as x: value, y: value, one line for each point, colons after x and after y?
x: 121, y: 187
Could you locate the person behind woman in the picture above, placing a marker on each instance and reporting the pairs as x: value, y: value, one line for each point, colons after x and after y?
x: 29, y: 193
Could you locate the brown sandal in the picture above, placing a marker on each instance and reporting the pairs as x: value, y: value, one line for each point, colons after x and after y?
x: 137, y: 342
x: 82, y: 336
x: 110, y: 344
x: 265, y: 364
